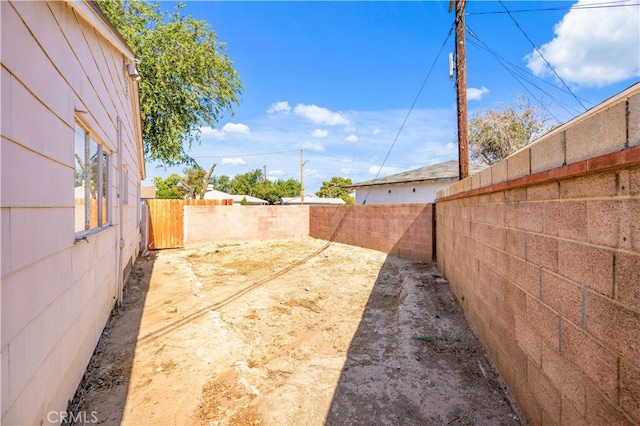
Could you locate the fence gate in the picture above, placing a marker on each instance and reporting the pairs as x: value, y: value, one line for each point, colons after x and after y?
x: 166, y: 221
x: 165, y: 224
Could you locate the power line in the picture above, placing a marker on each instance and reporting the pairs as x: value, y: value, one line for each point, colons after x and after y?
x: 606, y: 5
x: 541, y: 55
x: 410, y: 109
x: 519, y: 74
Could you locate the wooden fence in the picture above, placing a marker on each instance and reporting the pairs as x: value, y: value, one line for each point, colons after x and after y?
x: 166, y: 220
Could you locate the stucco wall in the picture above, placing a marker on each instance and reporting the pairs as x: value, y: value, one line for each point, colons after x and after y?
x: 205, y: 224
x: 543, y: 252
x: 403, y: 229
x: 57, y: 293
x: 417, y: 192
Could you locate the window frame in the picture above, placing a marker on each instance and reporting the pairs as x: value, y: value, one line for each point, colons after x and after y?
x: 103, y: 164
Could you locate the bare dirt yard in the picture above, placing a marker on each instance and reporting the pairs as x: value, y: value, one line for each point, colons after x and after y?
x: 296, y: 332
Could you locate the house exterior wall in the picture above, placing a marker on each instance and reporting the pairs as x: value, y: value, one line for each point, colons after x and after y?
x: 543, y: 252
x: 57, y: 293
x: 402, y: 229
x: 401, y: 193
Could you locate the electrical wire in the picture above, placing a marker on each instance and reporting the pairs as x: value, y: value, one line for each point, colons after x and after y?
x: 606, y: 5
x: 519, y: 75
x: 541, y: 55
x: 415, y: 100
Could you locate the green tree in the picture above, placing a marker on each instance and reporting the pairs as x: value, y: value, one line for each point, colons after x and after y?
x: 496, y: 134
x: 335, y: 188
x: 186, y: 77
x: 221, y: 183
x: 169, y: 187
x: 193, y: 181
x: 247, y: 183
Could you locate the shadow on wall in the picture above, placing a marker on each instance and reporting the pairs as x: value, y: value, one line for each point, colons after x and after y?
x: 414, y: 359
x: 111, y: 363
x: 407, y: 230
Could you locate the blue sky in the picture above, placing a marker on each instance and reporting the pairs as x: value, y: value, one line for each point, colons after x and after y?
x: 338, y: 79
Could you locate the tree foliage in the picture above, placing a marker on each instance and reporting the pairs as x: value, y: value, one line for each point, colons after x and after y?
x: 496, y: 134
x: 254, y: 183
x: 335, y: 189
x: 186, y: 77
x: 169, y: 187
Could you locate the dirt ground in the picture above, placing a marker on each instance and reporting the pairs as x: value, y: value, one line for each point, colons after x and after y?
x: 296, y: 332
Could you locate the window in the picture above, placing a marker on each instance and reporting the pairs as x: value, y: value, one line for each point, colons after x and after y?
x: 91, y: 183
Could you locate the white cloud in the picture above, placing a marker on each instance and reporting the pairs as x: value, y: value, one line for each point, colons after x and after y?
x: 279, y: 107
x: 233, y: 161
x: 384, y: 171
x: 236, y: 128
x: 351, y: 138
x: 320, y: 115
x: 313, y: 146
x: 320, y: 133
x: 474, y: 94
x: 592, y: 47
x: 212, y: 133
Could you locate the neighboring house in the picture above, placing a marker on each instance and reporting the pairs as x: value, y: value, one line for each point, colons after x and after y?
x: 414, y: 186
x: 213, y: 194
x: 147, y: 192
x: 71, y: 165
x: 315, y: 201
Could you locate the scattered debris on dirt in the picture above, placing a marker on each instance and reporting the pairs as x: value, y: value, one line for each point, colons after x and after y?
x: 296, y: 332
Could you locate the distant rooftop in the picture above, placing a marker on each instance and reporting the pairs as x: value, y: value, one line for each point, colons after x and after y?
x: 213, y: 194
x: 437, y: 172
x: 312, y: 200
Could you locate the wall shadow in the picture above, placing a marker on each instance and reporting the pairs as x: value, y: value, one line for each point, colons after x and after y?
x: 414, y: 359
x: 112, y: 360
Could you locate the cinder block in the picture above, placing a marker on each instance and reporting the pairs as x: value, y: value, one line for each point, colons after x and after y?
x: 515, y: 297
x: 514, y: 243
x: 545, y: 392
x: 475, y: 181
x: 485, y: 177
x: 547, y: 152
x: 543, y: 319
x: 566, y: 219
x: 627, y: 278
x: 634, y: 120
x: 499, y: 172
x: 543, y: 192
x: 516, y: 195
x: 615, y: 325
x: 591, y: 186
x: 528, y: 339
x: 530, y: 217
x: 542, y: 251
x: 585, y: 264
x: 570, y: 415
x: 526, y: 275
x: 602, y: 410
x: 604, y: 219
x: 528, y: 403
x: 598, y: 363
x: 569, y: 382
x: 598, y: 134
x: 562, y: 296
x: 630, y: 390
x: 518, y: 164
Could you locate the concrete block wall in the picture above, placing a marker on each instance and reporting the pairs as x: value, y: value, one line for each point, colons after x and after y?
x: 403, y: 229
x: 543, y: 252
x: 205, y: 224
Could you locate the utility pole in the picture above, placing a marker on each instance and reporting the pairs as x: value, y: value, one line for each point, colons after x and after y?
x: 264, y: 175
x: 461, y: 89
x: 301, y: 179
